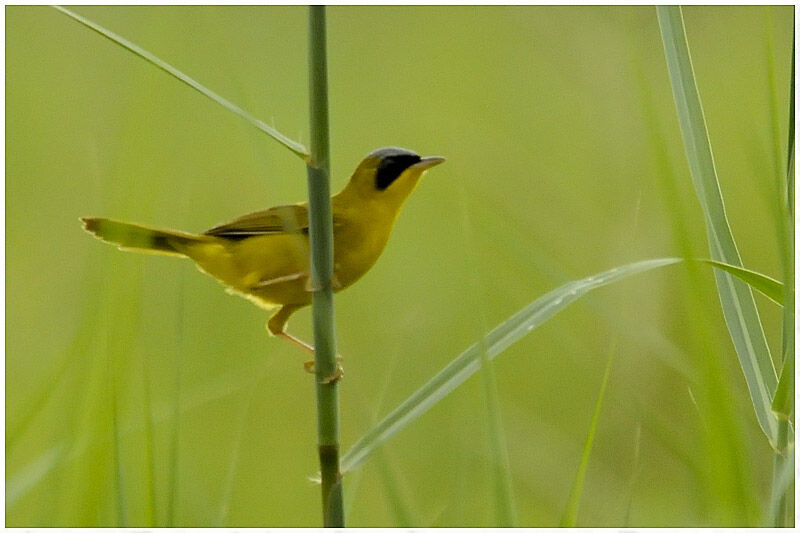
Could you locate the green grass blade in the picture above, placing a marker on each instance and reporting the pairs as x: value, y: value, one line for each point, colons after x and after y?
x: 495, y: 342
x: 395, y: 498
x: 224, y: 503
x: 505, y: 511
x: 637, y: 446
x: 570, y: 516
x: 771, y: 288
x: 784, y: 477
x: 738, y: 304
x: 33, y: 473
x: 173, y: 464
x: 173, y: 488
x: 783, y: 403
x: 499, y: 463
x: 119, y: 467
x: 790, y: 144
x: 294, y: 146
x: 149, y: 448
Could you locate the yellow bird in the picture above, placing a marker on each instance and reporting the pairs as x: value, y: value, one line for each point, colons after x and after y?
x: 264, y: 256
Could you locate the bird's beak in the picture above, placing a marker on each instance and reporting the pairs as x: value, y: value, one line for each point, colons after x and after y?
x: 427, y: 162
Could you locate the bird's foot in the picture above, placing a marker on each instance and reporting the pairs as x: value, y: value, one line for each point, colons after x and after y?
x: 333, y: 378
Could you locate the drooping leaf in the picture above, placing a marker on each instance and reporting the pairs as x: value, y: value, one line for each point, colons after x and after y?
x: 771, y: 288
x: 494, y: 343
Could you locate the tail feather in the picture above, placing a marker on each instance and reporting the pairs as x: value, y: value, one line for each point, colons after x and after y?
x: 139, y: 238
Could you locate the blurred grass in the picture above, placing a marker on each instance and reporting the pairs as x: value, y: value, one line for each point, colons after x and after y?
x: 540, y: 113
x: 738, y: 304
x: 570, y: 516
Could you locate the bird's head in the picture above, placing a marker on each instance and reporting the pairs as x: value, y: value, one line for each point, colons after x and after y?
x: 389, y: 175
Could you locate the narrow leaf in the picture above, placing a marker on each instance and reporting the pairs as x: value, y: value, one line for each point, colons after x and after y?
x: 783, y: 403
x: 738, y: 304
x: 505, y: 512
x: 771, y: 288
x: 790, y: 144
x: 571, y: 512
x: 494, y: 343
x: 294, y: 146
x: 781, y: 486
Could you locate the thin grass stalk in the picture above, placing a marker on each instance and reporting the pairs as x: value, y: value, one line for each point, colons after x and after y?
x: 398, y: 502
x: 149, y: 430
x: 119, y: 472
x: 783, y: 403
x: 723, y: 483
x: 570, y: 516
x: 173, y: 493
x: 778, y: 182
x: 321, y: 235
x: 637, y: 447
x: 781, y: 517
x: 790, y: 147
x: 505, y: 511
x: 296, y: 147
x: 788, y: 245
x: 503, y: 492
x: 739, y: 309
x: 736, y: 298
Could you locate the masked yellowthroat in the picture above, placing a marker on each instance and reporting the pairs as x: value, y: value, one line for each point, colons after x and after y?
x: 264, y: 256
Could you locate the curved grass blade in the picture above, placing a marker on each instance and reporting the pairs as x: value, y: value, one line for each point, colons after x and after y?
x: 738, y: 304
x: 294, y: 146
x: 570, y: 516
x: 771, y: 288
x: 494, y: 343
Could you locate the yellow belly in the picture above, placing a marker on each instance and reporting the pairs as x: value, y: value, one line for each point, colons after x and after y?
x: 272, y: 270
x: 269, y: 270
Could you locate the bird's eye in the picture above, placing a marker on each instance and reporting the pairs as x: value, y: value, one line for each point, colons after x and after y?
x: 390, y: 168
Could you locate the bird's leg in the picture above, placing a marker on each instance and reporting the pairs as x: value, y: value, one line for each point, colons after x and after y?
x: 277, y: 326
x: 309, y: 365
x: 288, y: 337
x: 282, y: 279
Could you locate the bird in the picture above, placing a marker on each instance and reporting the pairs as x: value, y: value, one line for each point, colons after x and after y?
x: 264, y: 256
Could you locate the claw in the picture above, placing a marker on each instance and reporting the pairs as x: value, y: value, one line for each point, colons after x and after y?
x: 277, y: 326
x: 338, y: 374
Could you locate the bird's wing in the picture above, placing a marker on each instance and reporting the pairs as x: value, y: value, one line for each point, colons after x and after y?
x: 281, y: 219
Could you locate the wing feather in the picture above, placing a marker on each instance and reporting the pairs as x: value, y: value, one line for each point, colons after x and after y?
x: 283, y: 219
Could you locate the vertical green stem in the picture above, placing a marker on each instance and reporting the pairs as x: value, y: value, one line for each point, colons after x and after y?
x: 321, y: 235
x: 784, y: 396
x: 780, y: 518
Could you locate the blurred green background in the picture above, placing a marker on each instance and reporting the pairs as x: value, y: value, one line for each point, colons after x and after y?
x: 139, y: 393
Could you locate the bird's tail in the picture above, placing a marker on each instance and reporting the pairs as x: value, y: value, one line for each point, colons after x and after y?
x: 139, y: 238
